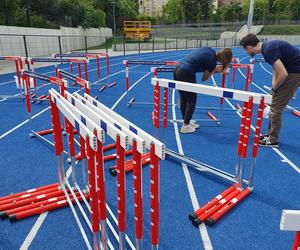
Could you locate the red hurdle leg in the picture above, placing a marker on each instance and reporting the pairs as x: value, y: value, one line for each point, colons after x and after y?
x: 83, y: 160
x: 256, y: 139
x: 107, y: 65
x: 100, y: 178
x: 138, y: 200
x: 154, y: 197
x: 98, y: 66
x: 79, y: 70
x: 70, y: 132
x: 86, y: 71
x: 57, y: 140
x: 121, y: 185
x: 296, y: 244
x: 166, y: 97
x: 93, y: 192
x: 245, y: 140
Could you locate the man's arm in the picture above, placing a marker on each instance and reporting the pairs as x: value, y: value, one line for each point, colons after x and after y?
x: 206, y: 75
x: 280, y: 74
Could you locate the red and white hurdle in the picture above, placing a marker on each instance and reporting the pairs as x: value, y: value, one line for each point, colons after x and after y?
x: 223, y: 203
x: 141, y: 62
x: 96, y: 55
x: 18, y: 78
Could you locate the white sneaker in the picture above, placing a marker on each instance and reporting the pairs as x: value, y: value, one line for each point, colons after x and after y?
x: 193, y: 124
x: 187, y: 129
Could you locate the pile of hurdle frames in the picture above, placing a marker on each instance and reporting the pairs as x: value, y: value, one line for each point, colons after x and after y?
x: 78, y: 58
x: 92, y: 121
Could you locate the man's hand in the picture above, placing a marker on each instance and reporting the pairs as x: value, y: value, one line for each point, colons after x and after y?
x: 280, y: 74
x: 218, y: 69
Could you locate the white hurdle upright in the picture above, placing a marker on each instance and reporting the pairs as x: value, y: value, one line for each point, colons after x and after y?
x: 90, y: 115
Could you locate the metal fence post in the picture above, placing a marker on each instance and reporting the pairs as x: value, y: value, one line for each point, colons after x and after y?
x: 124, y: 45
x: 59, y: 44
x: 85, y: 42
x: 25, y: 45
x: 165, y: 44
x: 152, y: 44
x: 186, y: 46
x: 176, y: 43
x: 106, y: 45
x: 139, y: 45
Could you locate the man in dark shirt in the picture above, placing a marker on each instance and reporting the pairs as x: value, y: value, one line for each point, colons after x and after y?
x: 285, y: 61
x: 200, y: 60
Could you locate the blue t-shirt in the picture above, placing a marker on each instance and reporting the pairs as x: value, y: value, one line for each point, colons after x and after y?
x: 287, y: 53
x: 199, y: 60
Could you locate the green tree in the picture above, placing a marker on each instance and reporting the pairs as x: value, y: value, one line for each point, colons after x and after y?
x: 173, y: 12
x: 294, y: 7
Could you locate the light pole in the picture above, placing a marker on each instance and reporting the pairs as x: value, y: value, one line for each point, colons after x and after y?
x: 250, y: 16
x: 114, y: 17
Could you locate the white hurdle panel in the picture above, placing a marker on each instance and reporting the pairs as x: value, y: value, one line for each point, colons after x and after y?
x: 290, y: 221
x: 238, y: 95
x: 160, y: 149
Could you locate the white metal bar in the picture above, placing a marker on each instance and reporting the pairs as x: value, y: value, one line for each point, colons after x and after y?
x: 99, y: 115
x: 159, y: 146
x: 238, y: 95
x: 82, y: 129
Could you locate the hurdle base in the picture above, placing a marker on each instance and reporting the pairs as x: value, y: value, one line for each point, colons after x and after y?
x: 202, y: 167
x: 113, y: 171
x: 131, y: 101
x: 3, y: 215
x: 12, y: 218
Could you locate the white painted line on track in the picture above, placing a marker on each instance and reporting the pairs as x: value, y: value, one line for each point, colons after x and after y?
x: 202, y: 228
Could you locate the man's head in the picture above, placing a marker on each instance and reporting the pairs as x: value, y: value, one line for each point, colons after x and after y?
x: 225, y: 57
x: 251, y: 44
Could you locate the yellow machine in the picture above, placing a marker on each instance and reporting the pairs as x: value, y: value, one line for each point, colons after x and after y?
x: 137, y: 30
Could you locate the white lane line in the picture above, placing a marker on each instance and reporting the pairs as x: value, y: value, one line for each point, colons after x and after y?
x: 33, y: 232
x: 202, y: 228
x: 22, y: 123
x: 276, y: 150
x: 35, y: 228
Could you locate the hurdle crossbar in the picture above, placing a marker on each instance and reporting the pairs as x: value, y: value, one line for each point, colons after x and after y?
x: 149, y: 140
x: 82, y: 82
x: 238, y: 95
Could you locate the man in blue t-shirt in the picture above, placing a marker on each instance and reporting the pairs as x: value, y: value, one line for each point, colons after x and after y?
x: 200, y: 60
x: 285, y: 61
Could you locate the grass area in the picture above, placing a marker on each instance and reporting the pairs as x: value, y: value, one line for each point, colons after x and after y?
x: 280, y: 30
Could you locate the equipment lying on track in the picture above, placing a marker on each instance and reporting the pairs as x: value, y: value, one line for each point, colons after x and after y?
x: 290, y: 221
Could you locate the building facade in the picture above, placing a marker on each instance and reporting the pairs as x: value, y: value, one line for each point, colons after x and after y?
x: 151, y: 7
